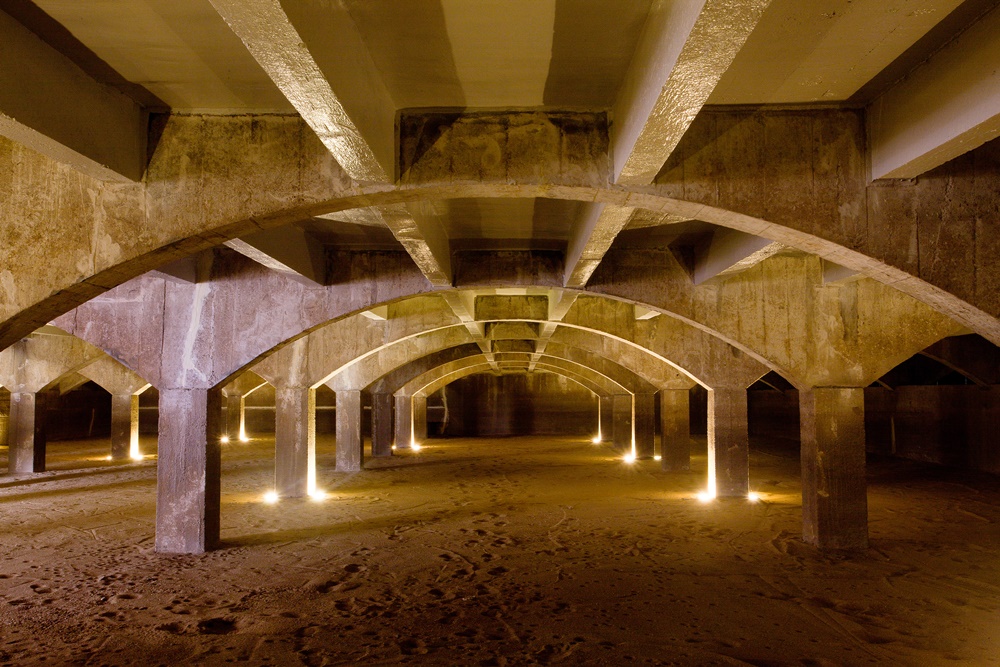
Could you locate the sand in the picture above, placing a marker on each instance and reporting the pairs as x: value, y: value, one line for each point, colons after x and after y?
x: 496, y: 552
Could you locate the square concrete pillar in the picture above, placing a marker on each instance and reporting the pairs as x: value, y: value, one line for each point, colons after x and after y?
x: 728, y: 442
x: 834, y: 491
x: 607, y: 410
x: 675, y: 429
x: 419, y: 419
x: 26, y: 432
x: 622, y: 430
x: 236, y: 417
x: 294, y: 441
x: 382, y: 424
x: 644, y: 414
x: 188, y: 470
x: 350, y: 443
x: 124, y: 426
x: 404, y: 422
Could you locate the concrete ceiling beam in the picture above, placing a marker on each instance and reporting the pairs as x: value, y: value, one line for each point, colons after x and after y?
x: 50, y: 105
x: 592, y: 236
x: 947, y: 106
x: 289, y: 250
x: 731, y: 252
x: 314, y: 53
x: 425, y: 240
x: 684, y: 50
x: 463, y: 304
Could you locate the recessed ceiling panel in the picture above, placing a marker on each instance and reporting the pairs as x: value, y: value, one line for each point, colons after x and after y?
x: 824, y: 50
x: 501, y: 53
x: 180, y: 50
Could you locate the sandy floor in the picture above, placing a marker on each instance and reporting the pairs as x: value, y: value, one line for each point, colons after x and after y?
x: 496, y: 552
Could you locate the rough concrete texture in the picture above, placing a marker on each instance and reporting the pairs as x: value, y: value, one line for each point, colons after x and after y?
x: 622, y: 435
x: 383, y: 424
x: 644, y: 407
x: 403, y: 432
x: 350, y: 442
x: 188, y: 470
x: 527, y: 147
x: 834, y: 492
x: 728, y: 442
x: 192, y: 208
x: 675, y: 429
x: 419, y: 419
x: 295, y: 441
x: 26, y: 432
x: 124, y: 425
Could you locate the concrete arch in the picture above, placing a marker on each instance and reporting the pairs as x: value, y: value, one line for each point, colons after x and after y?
x: 175, y: 232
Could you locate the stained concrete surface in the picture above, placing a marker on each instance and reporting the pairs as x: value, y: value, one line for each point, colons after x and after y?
x: 531, y: 550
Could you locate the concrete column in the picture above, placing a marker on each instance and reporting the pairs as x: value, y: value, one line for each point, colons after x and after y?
x: 675, y: 429
x: 188, y: 470
x: 350, y: 444
x: 294, y: 441
x: 834, y: 491
x: 404, y: 421
x: 382, y: 424
x: 622, y: 436
x: 728, y: 442
x: 236, y: 417
x: 26, y: 432
x: 124, y: 426
x: 4, y: 414
x: 644, y: 414
x: 607, y: 418
x: 419, y: 419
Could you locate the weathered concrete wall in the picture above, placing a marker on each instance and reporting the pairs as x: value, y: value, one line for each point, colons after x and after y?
x: 520, y: 404
x: 952, y: 425
x: 806, y: 170
x: 215, y: 178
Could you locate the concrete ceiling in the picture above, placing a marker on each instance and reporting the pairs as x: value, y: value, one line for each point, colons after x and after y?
x: 501, y: 53
x: 180, y: 50
x: 824, y: 50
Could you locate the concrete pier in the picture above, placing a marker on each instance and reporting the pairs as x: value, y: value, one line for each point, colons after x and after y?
x: 645, y: 425
x: 188, y: 470
x: 294, y: 441
x: 350, y: 444
x: 675, y: 429
x: 834, y: 490
x: 26, y: 431
x: 404, y: 421
x: 728, y: 442
x: 383, y: 424
x: 622, y: 430
x: 124, y: 426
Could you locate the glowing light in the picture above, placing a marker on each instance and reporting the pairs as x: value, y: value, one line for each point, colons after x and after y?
x: 243, y: 438
x: 753, y: 497
x: 317, y: 495
x: 394, y: 448
x: 271, y: 497
x: 597, y: 439
x: 137, y: 457
x: 657, y: 458
x: 415, y: 447
x: 224, y: 439
x: 706, y: 496
x: 629, y: 458
x: 108, y: 458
